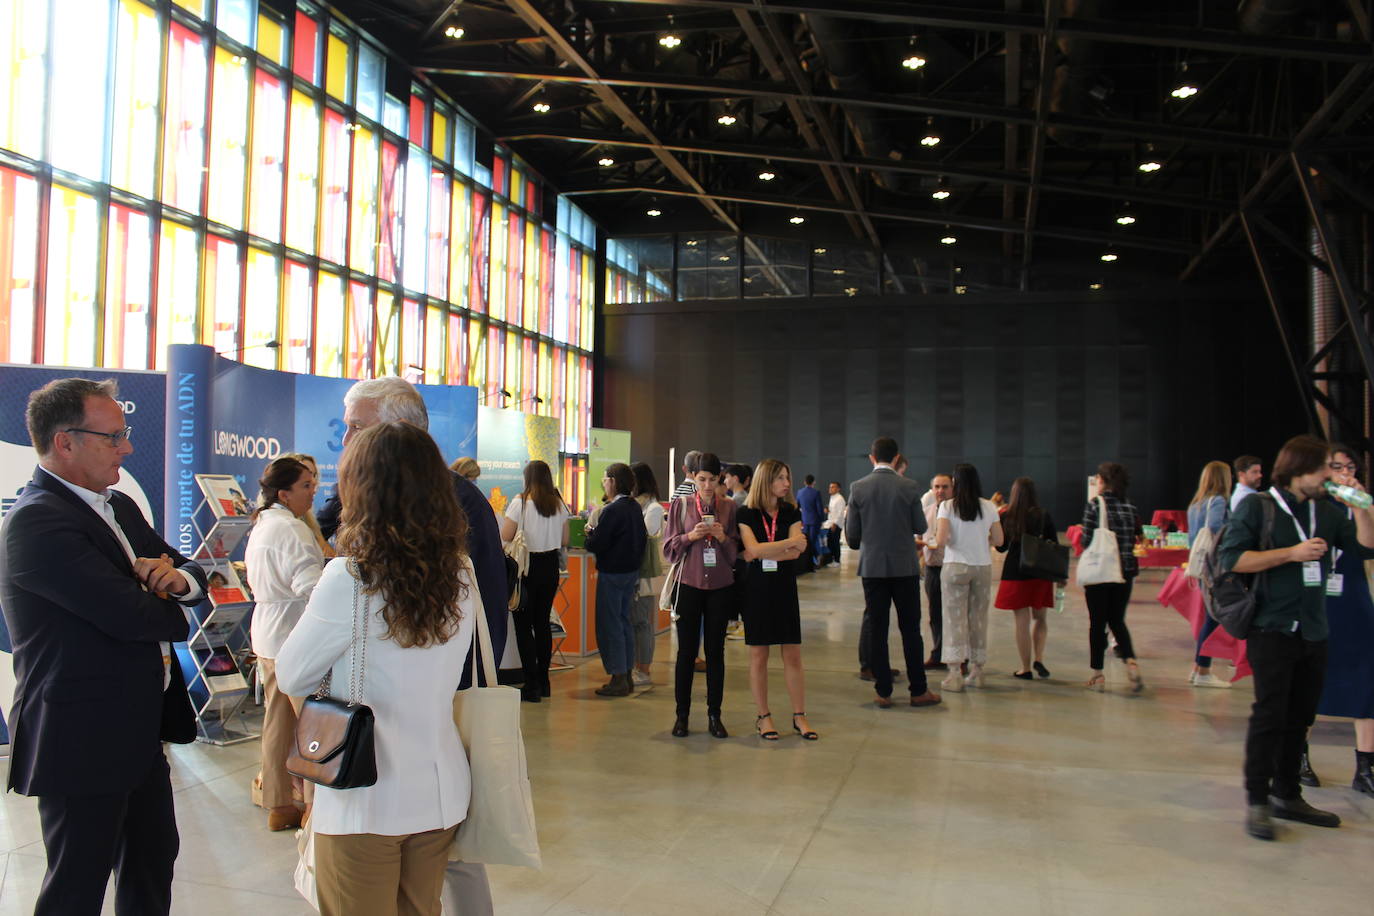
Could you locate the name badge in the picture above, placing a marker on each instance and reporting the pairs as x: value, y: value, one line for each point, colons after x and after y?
x: 1312, y: 574
x: 1334, y: 584
x: 708, y: 557
x: 770, y: 565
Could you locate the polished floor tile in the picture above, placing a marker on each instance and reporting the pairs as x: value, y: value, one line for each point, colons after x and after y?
x: 1020, y: 797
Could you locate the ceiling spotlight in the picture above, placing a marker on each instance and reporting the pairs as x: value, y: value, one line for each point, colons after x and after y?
x: 913, y: 62
x: 1125, y: 219
x: 940, y: 193
x: 692, y: 243
x: 797, y: 220
x: 1184, y: 91
x: 724, y: 257
x: 930, y: 140
x: 726, y: 119
x: 960, y: 290
x: 541, y: 107
x: 670, y: 41
x: 818, y: 251
x: 838, y: 271
x: 605, y: 162
x: 653, y: 211
x: 1094, y: 286
x: 455, y: 32
x: 1109, y: 256
x: 948, y: 240
x: 767, y: 175
x: 1150, y: 165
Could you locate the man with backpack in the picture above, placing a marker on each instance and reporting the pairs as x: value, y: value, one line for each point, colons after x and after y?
x: 1289, y: 544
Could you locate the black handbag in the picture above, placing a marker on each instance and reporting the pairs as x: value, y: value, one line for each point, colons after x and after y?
x: 1042, y: 558
x: 335, y: 742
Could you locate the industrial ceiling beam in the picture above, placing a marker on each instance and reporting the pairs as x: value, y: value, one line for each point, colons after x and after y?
x: 565, y: 50
x: 904, y: 166
x: 1037, y: 147
x: 1141, y: 130
x: 907, y: 216
x: 985, y: 20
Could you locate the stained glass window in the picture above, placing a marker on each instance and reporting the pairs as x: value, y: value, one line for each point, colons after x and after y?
x: 228, y: 139
x: 303, y: 169
x: 334, y: 200
x: 363, y: 205
x: 178, y: 279
x: 220, y: 293
x: 73, y: 252
x: 269, y: 142
x: 371, y: 73
x: 299, y: 314
x: 271, y: 38
x: 305, y: 50
x: 340, y: 68
x: 79, y: 71
x: 235, y: 19
x: 183, y: 144
x: 18, y: 265
x: 128, y: 288
x: 358, y: 343
x: 434, y: 345
x: 416, y: 226
x: 330, y: 327
x: 260, y: 313
x: 393, y: 188
x: 438, y: 233
x: 138, y: 54
x: 456, y: 366
x: 24, y: 65
x: 459, y: 271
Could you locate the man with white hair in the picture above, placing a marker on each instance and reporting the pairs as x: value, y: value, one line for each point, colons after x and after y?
x: 391, y: 400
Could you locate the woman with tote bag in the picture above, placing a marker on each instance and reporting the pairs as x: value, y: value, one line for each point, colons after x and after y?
x: 1207, y: 515
x: 1110, y: 528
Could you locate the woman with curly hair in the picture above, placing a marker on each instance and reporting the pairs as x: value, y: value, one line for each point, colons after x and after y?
x: 403, y: 561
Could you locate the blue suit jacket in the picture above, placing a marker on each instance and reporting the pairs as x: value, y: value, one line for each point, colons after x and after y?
x: 809, y: 501
x: 89, y: 709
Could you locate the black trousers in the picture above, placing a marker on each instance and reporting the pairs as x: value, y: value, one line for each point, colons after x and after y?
x: 1289, y: 673
x: 86, y: 836
x: 935, y: 607
x: 832, y: 539
x: 1107, y: 608
x: 903, y: 593
x: 533, y: 632
x: 701, y: 610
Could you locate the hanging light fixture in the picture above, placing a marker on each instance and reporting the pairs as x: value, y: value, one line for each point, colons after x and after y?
x: 931, y: 138
x: 941, y: 192
x: 669, y: 39
x: 455, y: 32
x: 653, y: 211
x: 767, y: 174
x: 947, y: 239
x: 1109, y: 256
x: 1186, y: 88
x: 797, y: 219
x: 605, y: 162
x: 541, y: 107
x: 913, y: 61
x: 726, y: 120
x: 1126, y: 217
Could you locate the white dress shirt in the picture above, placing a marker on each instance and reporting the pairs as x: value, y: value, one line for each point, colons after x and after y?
x: 100, y: 502
x: 422, y: 771
x: 284, y: 562
x: 834, y: 515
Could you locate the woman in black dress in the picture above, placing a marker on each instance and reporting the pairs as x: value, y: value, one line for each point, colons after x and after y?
x: 770, y: 526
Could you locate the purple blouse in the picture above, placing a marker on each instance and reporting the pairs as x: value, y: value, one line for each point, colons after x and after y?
x: 683, y: 516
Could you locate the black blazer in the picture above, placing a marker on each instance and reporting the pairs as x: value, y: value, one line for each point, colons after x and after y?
x: 89, y: 709
x: 484, y: 549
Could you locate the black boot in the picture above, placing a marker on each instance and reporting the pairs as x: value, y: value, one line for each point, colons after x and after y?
x: 680, y: 727
x: 619, y: 686
x: 1364, y: 772
x: 714, y: 726
x: 1306, y: 776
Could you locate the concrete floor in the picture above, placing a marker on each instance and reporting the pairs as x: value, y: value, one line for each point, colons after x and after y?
x: 1017, y: 798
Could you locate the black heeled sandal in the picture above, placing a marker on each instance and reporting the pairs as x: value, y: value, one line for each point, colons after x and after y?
x: 807, y: 735
x: 771, y: 734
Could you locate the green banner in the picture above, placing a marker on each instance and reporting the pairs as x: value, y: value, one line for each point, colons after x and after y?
x: 608, y: 446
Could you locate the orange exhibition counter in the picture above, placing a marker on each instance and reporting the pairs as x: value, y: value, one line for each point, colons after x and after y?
x: 575, y: 605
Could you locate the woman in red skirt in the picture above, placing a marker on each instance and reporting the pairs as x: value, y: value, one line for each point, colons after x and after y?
x: 1027, y: 597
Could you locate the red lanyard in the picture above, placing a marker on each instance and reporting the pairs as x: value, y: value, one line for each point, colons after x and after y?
x: 770, y: 530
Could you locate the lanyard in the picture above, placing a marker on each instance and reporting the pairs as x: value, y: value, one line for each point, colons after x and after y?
x: 701, y: 509
x: 770, y: 530
x: 1311, y: 515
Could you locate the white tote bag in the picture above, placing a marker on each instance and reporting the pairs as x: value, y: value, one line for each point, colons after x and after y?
x: 1197, y: 554
x: 1101, y: 562
x: 499, y: 828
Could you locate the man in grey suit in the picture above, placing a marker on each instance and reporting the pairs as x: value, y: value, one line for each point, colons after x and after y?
x: 884, y: 518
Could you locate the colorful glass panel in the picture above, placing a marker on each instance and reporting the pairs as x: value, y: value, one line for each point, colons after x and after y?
x: 363, y: 203
x: 69, y: 324
x: 334, y: 199
x: 128, y: 288
x: 220, y: 294
x: 303, y: 171
x: 298, y: 318
x: 18, y: 265
x: 438, y: 233
x: 178, y: 279
x: 183, y: 139
x: 330, y: 326
x: 260, y: 313
x: 228, y: 139
x: 269, y: 140
x: 133, y: 134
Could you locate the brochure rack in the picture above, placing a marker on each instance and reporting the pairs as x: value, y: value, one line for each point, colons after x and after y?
x: 212, y: 657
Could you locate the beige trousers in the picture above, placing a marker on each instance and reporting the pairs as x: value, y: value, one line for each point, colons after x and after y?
x: 278, y: 736
x: 366, y: 874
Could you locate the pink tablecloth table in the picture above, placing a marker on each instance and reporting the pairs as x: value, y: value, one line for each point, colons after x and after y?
x: 1182, y: 594
x: 1163, y: 557
x: 1163, y: 517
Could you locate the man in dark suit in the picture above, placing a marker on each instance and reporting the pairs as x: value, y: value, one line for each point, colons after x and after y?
x: 84, y: 583
x: 389, y: 400
x: 812, y: 513
x: 884, y: 518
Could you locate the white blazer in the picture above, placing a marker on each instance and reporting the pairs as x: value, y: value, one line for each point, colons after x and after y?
x: 284, y: 562
x: 422, y: 770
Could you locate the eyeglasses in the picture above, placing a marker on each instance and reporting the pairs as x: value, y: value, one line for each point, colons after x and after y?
x: 1347, y: 466
x: 115, y: 439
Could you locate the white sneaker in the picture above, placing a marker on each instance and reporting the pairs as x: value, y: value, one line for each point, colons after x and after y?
x: 640, y: 678
x: 1209, y: 680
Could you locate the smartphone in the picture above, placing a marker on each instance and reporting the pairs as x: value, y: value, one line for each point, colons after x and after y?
x: 708, y: 519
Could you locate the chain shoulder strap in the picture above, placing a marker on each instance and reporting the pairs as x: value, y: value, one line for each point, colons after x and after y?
x: 357, y: 647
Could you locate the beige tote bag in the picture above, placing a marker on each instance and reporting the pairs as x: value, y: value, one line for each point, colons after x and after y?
x: 1101, y: 562
x: 499, y: 829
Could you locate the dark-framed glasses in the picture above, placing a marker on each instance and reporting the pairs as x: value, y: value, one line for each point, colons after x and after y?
x: 1343, y: 466
x: 115, y: 439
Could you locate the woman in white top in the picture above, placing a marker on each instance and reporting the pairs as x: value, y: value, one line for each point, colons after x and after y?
x: 309, y: 518
x: 644, y: 616
x: 966, y: 527
x: 540, y: 513
x: 383, y: 848
x: 284, y: 563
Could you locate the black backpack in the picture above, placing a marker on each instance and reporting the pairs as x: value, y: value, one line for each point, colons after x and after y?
x: 1230, y: 597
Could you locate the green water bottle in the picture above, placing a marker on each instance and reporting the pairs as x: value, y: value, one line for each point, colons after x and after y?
x: 1059, y: 598
x: 1346, y: 494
